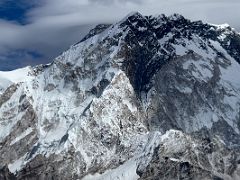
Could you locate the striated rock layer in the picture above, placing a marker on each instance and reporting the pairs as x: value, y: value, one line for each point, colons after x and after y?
x: 150, y: 97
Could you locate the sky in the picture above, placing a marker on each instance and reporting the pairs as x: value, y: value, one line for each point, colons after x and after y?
x: 36, y: 31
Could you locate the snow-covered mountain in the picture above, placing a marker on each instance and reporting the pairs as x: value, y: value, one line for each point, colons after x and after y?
x: 150, y: 97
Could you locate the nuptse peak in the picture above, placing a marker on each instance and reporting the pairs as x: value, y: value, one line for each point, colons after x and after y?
x: 149, y: 97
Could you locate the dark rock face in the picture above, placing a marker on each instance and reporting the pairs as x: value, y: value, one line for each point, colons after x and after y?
x: 143, y: 53
x: 8, y: 93
x: 179, y: 108
x: 5, y: 174
x: 151, y: 97
x: 199, y: 162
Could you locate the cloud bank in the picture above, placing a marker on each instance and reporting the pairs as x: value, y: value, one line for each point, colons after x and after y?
x: 51, y: 26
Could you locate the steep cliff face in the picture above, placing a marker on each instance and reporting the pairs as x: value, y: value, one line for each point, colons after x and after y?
x: 146, y: 98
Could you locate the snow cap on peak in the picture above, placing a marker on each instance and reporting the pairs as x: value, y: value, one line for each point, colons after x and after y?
x: 160, y: 16
x: 132, y: 14
x: 96, y: 30
x: 225, y: 25
x: 176, y: 17
x: 221, y: 26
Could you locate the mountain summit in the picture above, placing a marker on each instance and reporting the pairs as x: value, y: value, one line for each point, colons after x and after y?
x: 150, y: 97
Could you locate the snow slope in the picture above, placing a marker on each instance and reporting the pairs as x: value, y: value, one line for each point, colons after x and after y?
x: 7, y: 78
